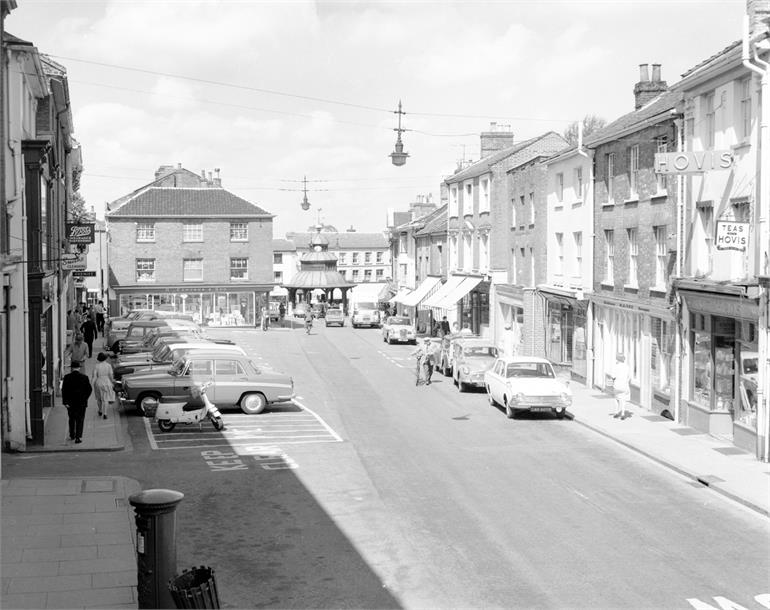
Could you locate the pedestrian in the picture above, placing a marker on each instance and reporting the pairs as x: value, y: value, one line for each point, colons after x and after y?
x: 466, y: 330
x: 445, y: 330
x: 308, y: 321
x: 265, y: 318
x: 455, y: 328
x: 430, y: 360
x: 281, y: 312
x: 621, y: 386
x: 88, y: 328
x: 103, y: 383
x: 78, y: 350
x: 75, y: 391
x: 423, y: 356
x: 72, y: 321
x: 99, y: 309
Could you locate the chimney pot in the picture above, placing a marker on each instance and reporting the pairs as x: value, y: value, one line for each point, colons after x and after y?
x: 492, y: 126
x: 655, y: 73
x: 644, y: 73
x: 179, y: 166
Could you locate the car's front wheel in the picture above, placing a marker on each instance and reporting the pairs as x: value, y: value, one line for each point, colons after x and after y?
x: 252, y: 404
x: 144, y: 399
x: 509, y: 411
x: 490, y: 398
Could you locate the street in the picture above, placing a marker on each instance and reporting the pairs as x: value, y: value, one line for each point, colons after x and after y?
x: 370, y: 492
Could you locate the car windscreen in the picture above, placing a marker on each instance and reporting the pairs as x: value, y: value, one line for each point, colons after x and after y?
x: 480, y: 350
x: 529, y: 369
x: 399, y: 322
x: 366, y: 305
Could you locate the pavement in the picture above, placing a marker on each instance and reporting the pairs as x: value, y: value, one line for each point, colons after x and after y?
x: 75, y: 549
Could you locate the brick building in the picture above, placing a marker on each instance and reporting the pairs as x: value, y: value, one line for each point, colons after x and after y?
x: 184, y: 243
x: 634, y: 225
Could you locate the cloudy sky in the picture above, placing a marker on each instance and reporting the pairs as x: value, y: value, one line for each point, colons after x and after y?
x: 270, y: 92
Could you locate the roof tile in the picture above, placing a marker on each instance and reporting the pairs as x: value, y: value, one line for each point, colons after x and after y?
x: 171, y: 201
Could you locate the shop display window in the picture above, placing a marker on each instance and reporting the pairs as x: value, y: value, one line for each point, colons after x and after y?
x: 661, y: 356
x: 746, y: 404
x: 702, y: 368
x: 724, y: 377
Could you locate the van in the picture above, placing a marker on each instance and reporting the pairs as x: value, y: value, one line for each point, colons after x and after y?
x: 365, y: 313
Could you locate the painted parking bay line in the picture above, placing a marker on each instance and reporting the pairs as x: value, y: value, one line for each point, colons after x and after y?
x: 241, y: 431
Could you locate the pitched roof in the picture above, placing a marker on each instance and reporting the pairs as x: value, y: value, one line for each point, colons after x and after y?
x: 661, y: 104
x: 435, y: 222
x: 482, y: 167
x: 713, y: 58
x: 283, y: 245
x: 344, y: 240
x: 186, y: 202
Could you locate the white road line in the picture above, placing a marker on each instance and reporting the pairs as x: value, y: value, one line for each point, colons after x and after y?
x: 226, y: 444
x: 150, y: 435
x: 332, y: 432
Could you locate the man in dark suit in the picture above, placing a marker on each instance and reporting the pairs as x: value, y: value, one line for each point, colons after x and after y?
x: 75, y: 391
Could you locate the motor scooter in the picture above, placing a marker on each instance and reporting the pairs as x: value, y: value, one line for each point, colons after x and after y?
x: 173, y: 410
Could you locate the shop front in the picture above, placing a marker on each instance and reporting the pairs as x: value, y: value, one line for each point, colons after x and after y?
x: 508, y: 315
x: 645, y: 334
x: 565, y: 330
x: 721, y: 378
x: 208, y: 305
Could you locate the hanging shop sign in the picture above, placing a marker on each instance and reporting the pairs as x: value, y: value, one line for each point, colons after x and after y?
x: 693, y: 162
x: 76, y: 264
x: 78, y: 233
x: 84, y: 274
x: 732, y: 235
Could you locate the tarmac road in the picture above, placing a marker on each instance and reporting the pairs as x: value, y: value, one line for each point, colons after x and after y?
x: 432, y: 498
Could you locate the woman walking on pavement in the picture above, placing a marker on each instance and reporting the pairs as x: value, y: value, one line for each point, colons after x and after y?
x: 308, y: 321
x: 103, y: 383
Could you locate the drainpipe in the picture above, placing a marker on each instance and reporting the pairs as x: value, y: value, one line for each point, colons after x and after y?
x: 761, y: 258
x: 678, y: 318
x: 590, y: 279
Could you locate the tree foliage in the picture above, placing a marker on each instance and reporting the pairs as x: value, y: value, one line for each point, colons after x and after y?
x: 591, y: 123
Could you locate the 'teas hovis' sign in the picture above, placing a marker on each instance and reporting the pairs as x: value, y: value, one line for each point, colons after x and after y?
x: 693, y: 162
x: 732, y: 235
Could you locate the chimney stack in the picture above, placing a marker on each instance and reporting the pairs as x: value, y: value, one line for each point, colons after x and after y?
x: 217, y: 179
x: 646, y: 90
x: 497, y: 138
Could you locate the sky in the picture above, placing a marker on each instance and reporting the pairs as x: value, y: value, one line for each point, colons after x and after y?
x: 273, y: 92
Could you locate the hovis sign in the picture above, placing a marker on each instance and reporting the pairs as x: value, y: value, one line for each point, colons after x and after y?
x: 693, y: 162
x: 732, y: 235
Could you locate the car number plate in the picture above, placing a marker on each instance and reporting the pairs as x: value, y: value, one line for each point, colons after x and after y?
x: 540, y: 409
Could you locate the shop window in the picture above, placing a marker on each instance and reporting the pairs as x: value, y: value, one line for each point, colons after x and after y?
x: 661, y: 356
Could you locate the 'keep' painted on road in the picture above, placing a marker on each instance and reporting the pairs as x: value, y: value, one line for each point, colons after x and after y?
x: 267, y: 458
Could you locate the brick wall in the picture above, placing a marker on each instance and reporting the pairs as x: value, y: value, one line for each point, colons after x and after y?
x: 169, y: 250
x: 642, y: 213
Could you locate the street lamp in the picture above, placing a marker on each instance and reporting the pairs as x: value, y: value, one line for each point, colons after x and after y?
x: 305, y: 203
x: 398, y: 156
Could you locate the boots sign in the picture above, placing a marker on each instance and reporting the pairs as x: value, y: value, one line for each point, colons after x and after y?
x: 80, y: 233
x: 693, y: 162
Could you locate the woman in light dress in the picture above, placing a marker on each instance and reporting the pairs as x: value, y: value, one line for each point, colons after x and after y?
x: 103, y: 381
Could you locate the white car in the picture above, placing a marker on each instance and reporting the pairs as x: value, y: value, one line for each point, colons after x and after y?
x: 365, y: 314
x: 398, y: 329
x: 523, y: 383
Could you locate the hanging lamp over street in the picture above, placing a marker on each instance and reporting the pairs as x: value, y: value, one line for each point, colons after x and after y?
x: 398, y: 156
x: 305, y: 203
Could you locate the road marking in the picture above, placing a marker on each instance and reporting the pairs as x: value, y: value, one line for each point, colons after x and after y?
x: 267, y: 429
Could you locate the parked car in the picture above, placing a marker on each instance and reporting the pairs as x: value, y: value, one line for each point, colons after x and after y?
x: 165, y: 354
x: 334, y: 315
x: 472, y: 358
x: 398, y: 329
x: 237, y: 381
x: 522, y: 383
x: 139, y: 329
x: 365, y: 314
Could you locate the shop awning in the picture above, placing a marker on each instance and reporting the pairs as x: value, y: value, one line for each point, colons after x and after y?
x: 422, y: 291
x: 459, y: 291
x: 435, y: 299
x: 400, y: 295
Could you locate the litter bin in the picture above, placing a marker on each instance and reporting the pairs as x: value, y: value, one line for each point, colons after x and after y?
x: 195, y: 588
